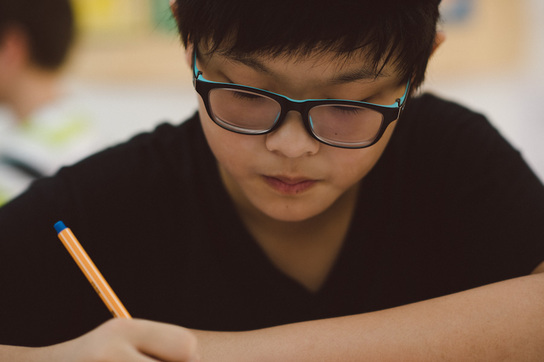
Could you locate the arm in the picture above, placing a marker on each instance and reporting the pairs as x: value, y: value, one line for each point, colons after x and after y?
x: 115, y: 340
x: 501, y: 321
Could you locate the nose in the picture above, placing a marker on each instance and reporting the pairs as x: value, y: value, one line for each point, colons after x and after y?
x: 291, y: 139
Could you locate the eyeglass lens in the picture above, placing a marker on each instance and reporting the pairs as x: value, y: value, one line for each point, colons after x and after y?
x: 248, y: 112
x: 244, y: 111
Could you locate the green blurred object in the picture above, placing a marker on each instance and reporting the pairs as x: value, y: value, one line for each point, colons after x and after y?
x: 3, y: 198
x: 162, y: 16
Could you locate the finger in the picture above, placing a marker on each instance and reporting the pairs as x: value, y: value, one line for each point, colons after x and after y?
x: 111, y: 341
x: 165, y: 342
x: 134, y: 355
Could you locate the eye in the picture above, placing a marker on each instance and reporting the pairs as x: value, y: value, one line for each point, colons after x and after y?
x: 349, y: 110
x: 245, y: 95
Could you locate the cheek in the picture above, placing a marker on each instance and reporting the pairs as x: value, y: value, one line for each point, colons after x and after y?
x: 231, y: 150
x: 352, y: 165
x: 217, y: 138
x: 350, y: 170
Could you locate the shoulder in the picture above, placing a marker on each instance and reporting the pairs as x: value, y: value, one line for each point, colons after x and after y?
x: 449, y: 174
x: 430, y: 104
x: 156, y: 152
x: 428, y: 114
x: 446, y: 147
x: 439, y: 128
x: 185, y: 135
x: 148, y: 170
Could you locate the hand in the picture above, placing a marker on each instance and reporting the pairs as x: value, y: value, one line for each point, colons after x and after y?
x: 125, y: 340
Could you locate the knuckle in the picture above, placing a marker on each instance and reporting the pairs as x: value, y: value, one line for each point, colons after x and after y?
x: 101, y: 354
x: 188, y: 341
x: 117, y: 325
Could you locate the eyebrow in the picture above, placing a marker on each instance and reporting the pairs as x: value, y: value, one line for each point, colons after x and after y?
x: 362, y: 73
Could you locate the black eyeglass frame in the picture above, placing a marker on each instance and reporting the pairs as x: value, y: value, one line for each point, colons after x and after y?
x: 390, y: 113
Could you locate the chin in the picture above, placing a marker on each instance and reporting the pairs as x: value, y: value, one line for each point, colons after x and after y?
x: 292, y: 213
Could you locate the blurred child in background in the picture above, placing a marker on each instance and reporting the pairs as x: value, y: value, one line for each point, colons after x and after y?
x: 42, y: 127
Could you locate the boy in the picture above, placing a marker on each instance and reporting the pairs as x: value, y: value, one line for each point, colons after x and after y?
x: 312, y: 210
x: 47, y: 129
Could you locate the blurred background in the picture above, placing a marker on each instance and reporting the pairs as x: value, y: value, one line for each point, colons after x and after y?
x: 493, y: 62
x: 127, y: 67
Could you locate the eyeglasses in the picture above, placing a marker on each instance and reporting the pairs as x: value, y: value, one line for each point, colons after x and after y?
x: 335, y: 122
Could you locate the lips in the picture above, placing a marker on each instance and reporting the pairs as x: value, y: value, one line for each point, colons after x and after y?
x: 288, y: 185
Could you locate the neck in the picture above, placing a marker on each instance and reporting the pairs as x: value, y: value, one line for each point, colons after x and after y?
x: 339, y: 212
x: 305, y: 250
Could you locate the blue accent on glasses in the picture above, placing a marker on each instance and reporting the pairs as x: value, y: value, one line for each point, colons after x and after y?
x: 336, y: 122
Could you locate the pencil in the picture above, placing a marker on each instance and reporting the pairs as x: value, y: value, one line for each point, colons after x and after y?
x: 90, y: 270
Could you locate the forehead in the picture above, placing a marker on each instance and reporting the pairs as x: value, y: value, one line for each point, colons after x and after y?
x: 339, y: 67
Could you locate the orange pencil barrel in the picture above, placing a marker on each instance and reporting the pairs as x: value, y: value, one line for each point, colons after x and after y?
x: 90, y: 270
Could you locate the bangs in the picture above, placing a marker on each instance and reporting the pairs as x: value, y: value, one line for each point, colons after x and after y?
x: 386, y: 32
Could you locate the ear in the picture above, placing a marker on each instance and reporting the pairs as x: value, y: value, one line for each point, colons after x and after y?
x: 438, y: 40
x: 189, y: 54
x: 14, y: 48
x: 189, y: 48
x: 174, y: 8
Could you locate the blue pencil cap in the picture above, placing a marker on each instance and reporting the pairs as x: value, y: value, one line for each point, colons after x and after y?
x: 59, y: 226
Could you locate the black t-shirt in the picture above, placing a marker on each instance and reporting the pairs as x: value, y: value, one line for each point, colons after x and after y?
x: 449, y: 206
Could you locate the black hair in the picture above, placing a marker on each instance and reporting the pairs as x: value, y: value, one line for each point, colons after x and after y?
x: 401, y: 32
x: 47, y: 24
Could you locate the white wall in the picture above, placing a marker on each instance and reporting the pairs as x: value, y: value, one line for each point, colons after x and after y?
x: 512, y: 96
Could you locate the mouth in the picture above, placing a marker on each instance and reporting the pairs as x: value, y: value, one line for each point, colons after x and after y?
x: 289, y: 186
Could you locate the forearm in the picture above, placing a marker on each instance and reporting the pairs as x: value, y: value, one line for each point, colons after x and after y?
x: 28, y: 354
x: 116, y: 340
x: 502, y: 321
x: 10, y: 353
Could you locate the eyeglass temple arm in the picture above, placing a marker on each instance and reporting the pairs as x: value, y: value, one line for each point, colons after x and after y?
x: 196, y: 71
